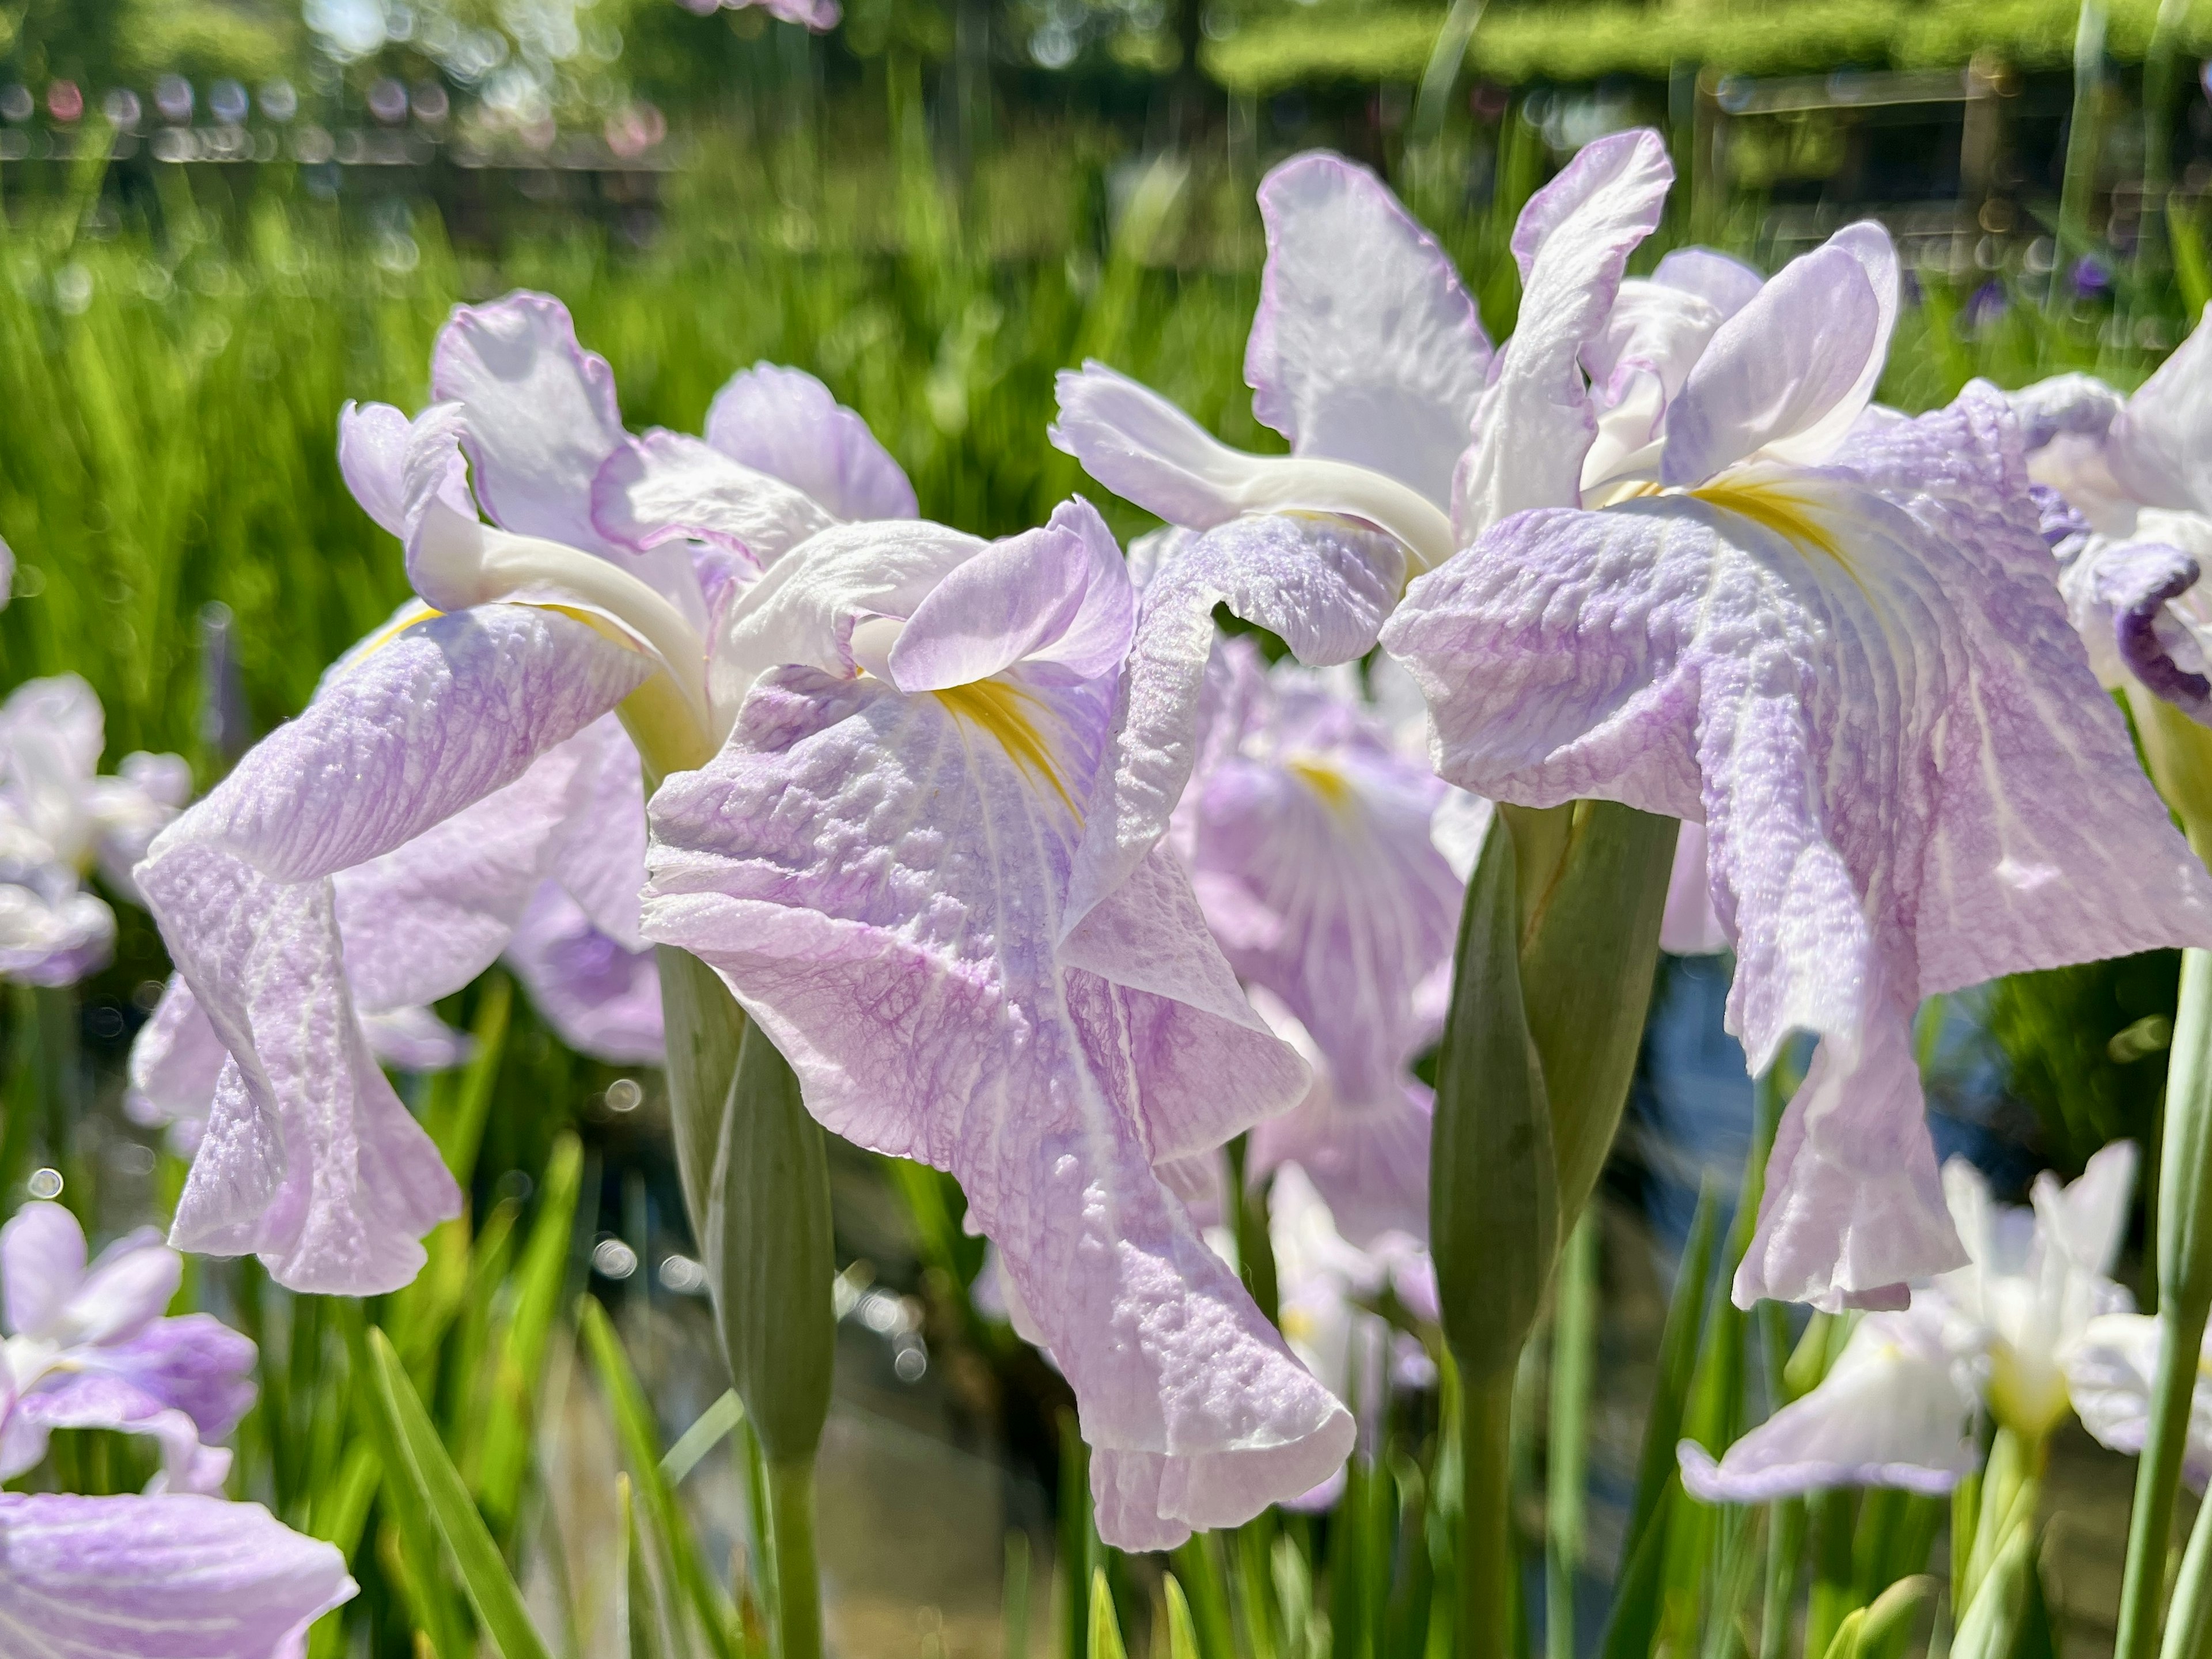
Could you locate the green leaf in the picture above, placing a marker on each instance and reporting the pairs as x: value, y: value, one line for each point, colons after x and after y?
x: 1637, y: 1596
x: 461, y: 1101
x: 1574, y: 1330
x: 640, y: 1443
x: 420, y: 1466
x: 1992, y: 1625
x: 705, y: 1433
x: 1677, y: 1361
x: 1198, y: 1567
x: 538, y: 1283
x: 1888, y: 1626
x: 1182, y: 1632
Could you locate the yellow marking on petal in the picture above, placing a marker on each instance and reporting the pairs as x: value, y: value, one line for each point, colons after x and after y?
x: 398, y: 625
x: 1771, y: 507
x: 1324, y: 778
x: 1008, y: 713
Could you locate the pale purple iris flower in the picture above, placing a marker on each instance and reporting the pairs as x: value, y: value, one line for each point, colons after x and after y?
x: 382, y: 849
x: 2131, y: 520
x: 1311, y: 840
x: 1831, y: 637
x: 2109, y: 1375
x: 878, y: 862
x: 2006, y: 1333
x: 86, y: 1346
x: 60, y: 821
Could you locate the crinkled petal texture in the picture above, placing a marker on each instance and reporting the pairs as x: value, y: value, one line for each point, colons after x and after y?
x: 309, y: 1159
x: 881, y: 878
x: 1894, y: 1411
x: 1862, y: 679
x: 169, y: 1577
x: 1323, y: 584
x: 1366, y: 348
x: 1313, y: 855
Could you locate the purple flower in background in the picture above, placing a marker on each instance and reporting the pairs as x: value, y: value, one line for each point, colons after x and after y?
x: 381, y: 850
x: 87, y: 1347
x: 177, y: 1576
x: 1830, y: 635
x: 2006, y: 1331
x: 878, y: 863
x: 60, y: 821
x: 2137, y: 475
x: 1311, y: 839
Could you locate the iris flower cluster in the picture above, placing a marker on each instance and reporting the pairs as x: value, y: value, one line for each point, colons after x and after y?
x: 1031, y: 875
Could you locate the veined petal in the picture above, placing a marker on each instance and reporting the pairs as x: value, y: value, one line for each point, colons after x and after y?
x: 541, y: 413
x: 1892, y: 1412
x: 169, y: 1577
x: 785, y: 422
x: 1808, y: 668
x: 309, y: 1159
x: 1535, y: 421
x: 1366, y: 348
x: 880, y: 879
x: 665, y: 485
x: 1323, y: 585
x: 2159, y: 442
x: 42, y: 1259
x: 1788, y: 375
x: 602, y: 998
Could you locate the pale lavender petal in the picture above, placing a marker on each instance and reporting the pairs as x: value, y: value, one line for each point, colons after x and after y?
x: 1323, y: 585
x: 92, y: 1399
x: 1370, y: 1165
x: 2075, y: 403
x: 374, y: 443
x: 881, y: 883
x: 52, y: 931
x: 1144, y: 449
x: 1815, y: 706
x: 1012, y: 598
x: 1689, y: 927
x: 121, y: 1293
x: 2132, y: 583
x: 1787, y: 374
x: 601, y: 998
x: 309, y: 1158
x: 2159, y: 442
x: 1535, y: 421
x: 175, y: 1060
x: 42, y: 1257
x: 785, y: 422
x: 667, y: 484
x: 1727, y: 285
x: 193, y: 1363
x: 169, y: 1577
x: 415, y: 1040
x: 1365, y: 347
x: 541, y: 415
x: 598, y: 855
x: 1892, y: 1411
x: 820, y: 15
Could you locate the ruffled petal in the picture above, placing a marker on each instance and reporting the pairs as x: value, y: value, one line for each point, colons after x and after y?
x: 1323, y: 585
x: 1535, y: 421
x: 880, y: 879
x: 1892, y: 1411
x: 2123, y: 596
x: 169, y: 1577
x: 1809, y: 669
x: 42, y: 1259
x: 1365, y: 347
x: 309, y: 1158
x: 665, y: 485
x: 785, y: 422
x: 602, y: 998
x: 93, y: 1399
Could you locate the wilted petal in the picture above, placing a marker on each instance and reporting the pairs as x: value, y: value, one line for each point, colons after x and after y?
x: 169, y: 1577
x: 309, y: 1158
x: 1323, y: 585
x: 785, y: 422
x: 1892, y: 1411
x: 880, y: 878
x: 602, y: 998
x: 1366, y: 348
x: 1536, y: 420
x: 1811, y: 685
x: 42, y: 1258
x: 665, y: 485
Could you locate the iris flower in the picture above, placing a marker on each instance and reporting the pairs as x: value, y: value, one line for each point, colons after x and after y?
x: 2131, y: 522
x: 2109, y: 1376
x: 1830, y: 637
x: 878, y: 863
x: 60, y: 821
x: 87, y: 1347
x: 2005, y: 1331
x: 381, y: 849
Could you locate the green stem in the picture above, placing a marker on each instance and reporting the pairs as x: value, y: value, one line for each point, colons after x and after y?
x: 2080, y: 176
x: 1487, y: 1571
x: 798, y: 1598
x: 1573, y: 1330
x: 2188, y: 1628
x: 2184, y: 1248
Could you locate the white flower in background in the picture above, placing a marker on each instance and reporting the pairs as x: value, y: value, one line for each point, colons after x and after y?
x: 2109, y: 1374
